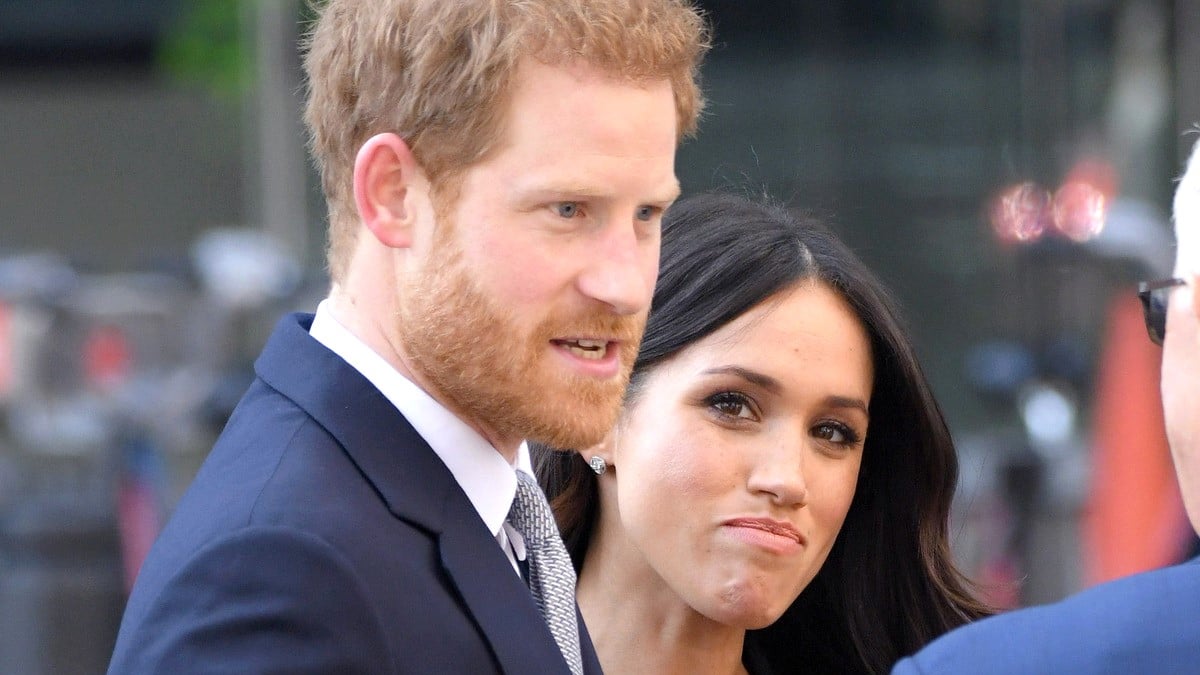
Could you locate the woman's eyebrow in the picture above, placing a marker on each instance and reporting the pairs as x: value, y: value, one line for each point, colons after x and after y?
x: 847, y: 402
x: 775, y: 387
x: 752, y: 376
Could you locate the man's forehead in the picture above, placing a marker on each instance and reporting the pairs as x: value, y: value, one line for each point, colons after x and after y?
x: 1188, y: 192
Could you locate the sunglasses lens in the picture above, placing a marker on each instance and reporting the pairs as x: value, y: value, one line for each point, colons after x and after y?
x: 1154, y: 296
x: 1157, y: 315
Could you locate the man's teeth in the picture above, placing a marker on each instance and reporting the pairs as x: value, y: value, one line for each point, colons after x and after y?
x: 587, y: 349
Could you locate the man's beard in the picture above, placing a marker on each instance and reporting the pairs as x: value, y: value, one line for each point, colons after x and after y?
x: 485, y: 368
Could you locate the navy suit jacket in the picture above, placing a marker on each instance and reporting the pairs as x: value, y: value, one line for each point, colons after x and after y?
x: 1146, y: 623
x: 323, y: 535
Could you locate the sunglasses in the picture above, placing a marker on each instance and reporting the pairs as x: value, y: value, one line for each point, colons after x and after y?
x: 1154, y: 296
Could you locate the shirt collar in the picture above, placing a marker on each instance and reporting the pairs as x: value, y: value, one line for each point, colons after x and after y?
x: 480, y: 470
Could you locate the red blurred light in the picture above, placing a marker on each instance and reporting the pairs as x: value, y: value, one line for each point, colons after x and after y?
x: 1098, y: 173
x: 1080, y: 210
x: 107, y: 357
x: 6, y: 351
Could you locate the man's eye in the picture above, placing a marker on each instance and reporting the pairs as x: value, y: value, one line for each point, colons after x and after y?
x: 567, y: 209
x: 646, y: 212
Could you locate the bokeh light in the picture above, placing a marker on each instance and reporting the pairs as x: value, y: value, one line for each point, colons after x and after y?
x: 1020, y: 213
x: 1079, y: 210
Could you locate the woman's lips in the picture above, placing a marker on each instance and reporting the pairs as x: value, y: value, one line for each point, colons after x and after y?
x: 774, y: 535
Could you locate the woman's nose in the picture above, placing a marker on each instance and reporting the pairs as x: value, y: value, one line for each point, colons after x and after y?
x: 779, y: 474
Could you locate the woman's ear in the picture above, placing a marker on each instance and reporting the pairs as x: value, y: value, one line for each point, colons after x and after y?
x: 387, y: 183
x: 600, y: 456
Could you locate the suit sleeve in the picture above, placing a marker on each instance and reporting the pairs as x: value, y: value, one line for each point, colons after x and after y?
x: 907, y: 666
x: 263, y: 600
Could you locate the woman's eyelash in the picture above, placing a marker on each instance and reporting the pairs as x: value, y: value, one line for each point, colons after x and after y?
x: 731, y: 404
x: 734, y: 405
x: 849, y: 435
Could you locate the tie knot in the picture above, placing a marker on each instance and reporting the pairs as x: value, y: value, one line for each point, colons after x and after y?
x: 530, y: 513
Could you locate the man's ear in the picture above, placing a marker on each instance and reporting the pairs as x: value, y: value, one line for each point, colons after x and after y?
x: 1193, y: 280
x: 387, y: 181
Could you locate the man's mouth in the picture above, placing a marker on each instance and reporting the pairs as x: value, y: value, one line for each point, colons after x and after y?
x: 593, y: 350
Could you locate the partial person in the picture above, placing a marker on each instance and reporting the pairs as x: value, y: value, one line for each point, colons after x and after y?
x: 495, y: 174
x: 1145, y: 623
x: 780, y: 463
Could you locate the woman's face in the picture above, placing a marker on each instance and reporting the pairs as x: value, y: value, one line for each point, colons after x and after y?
x: 736, y: 464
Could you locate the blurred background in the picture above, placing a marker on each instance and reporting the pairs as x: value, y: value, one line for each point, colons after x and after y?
x: 1006, y: 166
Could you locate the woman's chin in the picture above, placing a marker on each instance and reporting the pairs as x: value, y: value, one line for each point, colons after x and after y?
x: 746, y: 612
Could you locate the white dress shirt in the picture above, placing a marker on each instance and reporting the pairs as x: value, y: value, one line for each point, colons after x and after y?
x: 481, y: 471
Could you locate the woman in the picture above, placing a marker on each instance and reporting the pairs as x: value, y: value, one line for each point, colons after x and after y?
x: 780, y: 461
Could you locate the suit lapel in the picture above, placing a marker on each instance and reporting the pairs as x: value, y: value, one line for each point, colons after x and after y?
x: 500, y: 602
x: 391, y: 455
x: 416, y: 486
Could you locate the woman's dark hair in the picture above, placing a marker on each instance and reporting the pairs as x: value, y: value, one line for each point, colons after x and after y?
x: 889, y: 585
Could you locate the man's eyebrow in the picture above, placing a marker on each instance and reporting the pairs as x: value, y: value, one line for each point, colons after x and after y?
x: 666, y: 195
x: 672, y: 193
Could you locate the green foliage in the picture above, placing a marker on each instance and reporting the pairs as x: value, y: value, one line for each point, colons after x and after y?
x: 206, y: 45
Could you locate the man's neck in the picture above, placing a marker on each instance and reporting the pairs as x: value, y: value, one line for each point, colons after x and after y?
x: 382, y: 339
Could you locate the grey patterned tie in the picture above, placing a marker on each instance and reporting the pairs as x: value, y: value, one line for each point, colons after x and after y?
x: 551, y: 576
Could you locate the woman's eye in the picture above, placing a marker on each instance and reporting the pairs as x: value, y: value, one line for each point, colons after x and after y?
x: 567, y: 209
x: 835, y: 433
x: 732, y: 404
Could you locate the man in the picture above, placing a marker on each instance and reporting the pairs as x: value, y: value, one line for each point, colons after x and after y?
x: 495, y: 174
x: 1146, y: 623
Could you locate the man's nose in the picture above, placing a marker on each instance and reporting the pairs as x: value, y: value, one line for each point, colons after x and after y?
x: 622, y: 268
